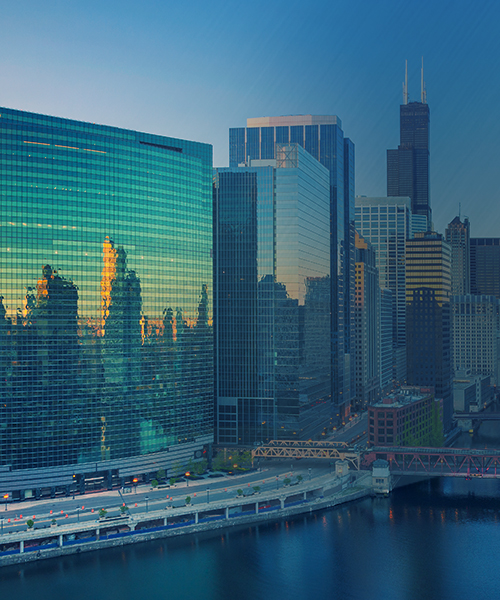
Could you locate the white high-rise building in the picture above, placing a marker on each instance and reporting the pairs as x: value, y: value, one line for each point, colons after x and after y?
x: 475, y: 335
x: 386, y: 222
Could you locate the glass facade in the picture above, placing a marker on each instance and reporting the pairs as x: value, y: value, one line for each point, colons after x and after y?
x: 322, y: 137
x: 244, y: 214
x: 272, y: 292
x: 106, y: 301
x: 485, y: 266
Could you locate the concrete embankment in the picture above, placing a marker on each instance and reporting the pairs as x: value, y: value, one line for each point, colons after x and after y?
x: 53, y: 542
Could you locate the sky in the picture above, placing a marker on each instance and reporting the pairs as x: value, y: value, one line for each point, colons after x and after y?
x: 194, y: 69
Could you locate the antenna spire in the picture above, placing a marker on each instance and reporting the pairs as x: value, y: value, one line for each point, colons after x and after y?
x: 423, y: 91
x: 405, y: 84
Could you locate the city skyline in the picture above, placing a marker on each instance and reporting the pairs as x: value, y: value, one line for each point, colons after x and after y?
x: 194, y: 74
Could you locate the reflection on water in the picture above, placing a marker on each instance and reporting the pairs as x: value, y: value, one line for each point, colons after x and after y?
x: 435, y: 540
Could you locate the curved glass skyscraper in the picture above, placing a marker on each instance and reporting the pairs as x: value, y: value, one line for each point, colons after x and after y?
x: 106, y: 304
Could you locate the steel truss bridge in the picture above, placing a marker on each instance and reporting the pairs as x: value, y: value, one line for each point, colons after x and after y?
x: 430, y: 462
x: 437, y: 462
x: 479, y: 416
x: 310, y: 449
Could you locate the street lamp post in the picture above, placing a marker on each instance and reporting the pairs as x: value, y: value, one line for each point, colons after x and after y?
x: 309, y: 473
x: 208, y: 495
x: 78, y: 514
x: 134, y: 481
x: 147, y: 500
x: 276, y: 482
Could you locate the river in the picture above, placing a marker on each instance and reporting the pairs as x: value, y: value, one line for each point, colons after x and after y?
x: 436, y: 540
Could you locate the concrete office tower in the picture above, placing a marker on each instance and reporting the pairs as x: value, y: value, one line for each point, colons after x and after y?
x: 428, y: 326
x: 458, y: 236
x: 476, y: 331
x: 408, y: 165
x: 323, y: 138
x: 386, y: 224
x: 386, y: 302
x: 107, y: 372
x: 366, y: 326
x: 485, y: 266
x: 272, y: 296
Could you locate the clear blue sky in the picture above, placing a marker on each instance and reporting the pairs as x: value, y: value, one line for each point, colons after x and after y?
x: 195, y: 69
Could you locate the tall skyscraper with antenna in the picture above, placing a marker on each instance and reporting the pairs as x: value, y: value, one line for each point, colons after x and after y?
x: 408, y: 165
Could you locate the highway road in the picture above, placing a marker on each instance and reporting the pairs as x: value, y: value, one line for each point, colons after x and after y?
x: 85, y: 508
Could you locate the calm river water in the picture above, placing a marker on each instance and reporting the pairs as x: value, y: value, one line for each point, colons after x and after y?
x: 436, y: 540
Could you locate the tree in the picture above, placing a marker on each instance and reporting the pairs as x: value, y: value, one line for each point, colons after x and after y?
x: 200, y: 467
x: 172, y: 481
x: 154, y: 483
x: 102, y: 513
x: 239, y: 492
x: 188, y: 500
x: 30, y: 523
x: 436, y: 437
x: 256, y: 489
x: 246, y: 459
x: 160, y: 475
x: 287, y: 481
x: 123, y: 509
x: 218, y: 462
x: 299, y: 478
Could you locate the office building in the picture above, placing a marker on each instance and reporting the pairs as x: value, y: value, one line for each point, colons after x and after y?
x: 106, y: 304
x: 386, y: 302
x: 272, y: 297
x: 408, y: 165
x: 428, y: 327
x: 471, y: 393
x: 485, y: 266
x: 367, y: 342
x: 408, y: 416
x: 386, y: 224
x: 323, y: 138
x: 457, y: 234
x: 476, y: 331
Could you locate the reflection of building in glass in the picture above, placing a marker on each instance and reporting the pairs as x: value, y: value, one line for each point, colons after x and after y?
x: 428, y: 327
x: 45, y: 402
x: 322, y: 137
x: 273, y: 299
x: 106, y: 357
x: 121, y: 320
